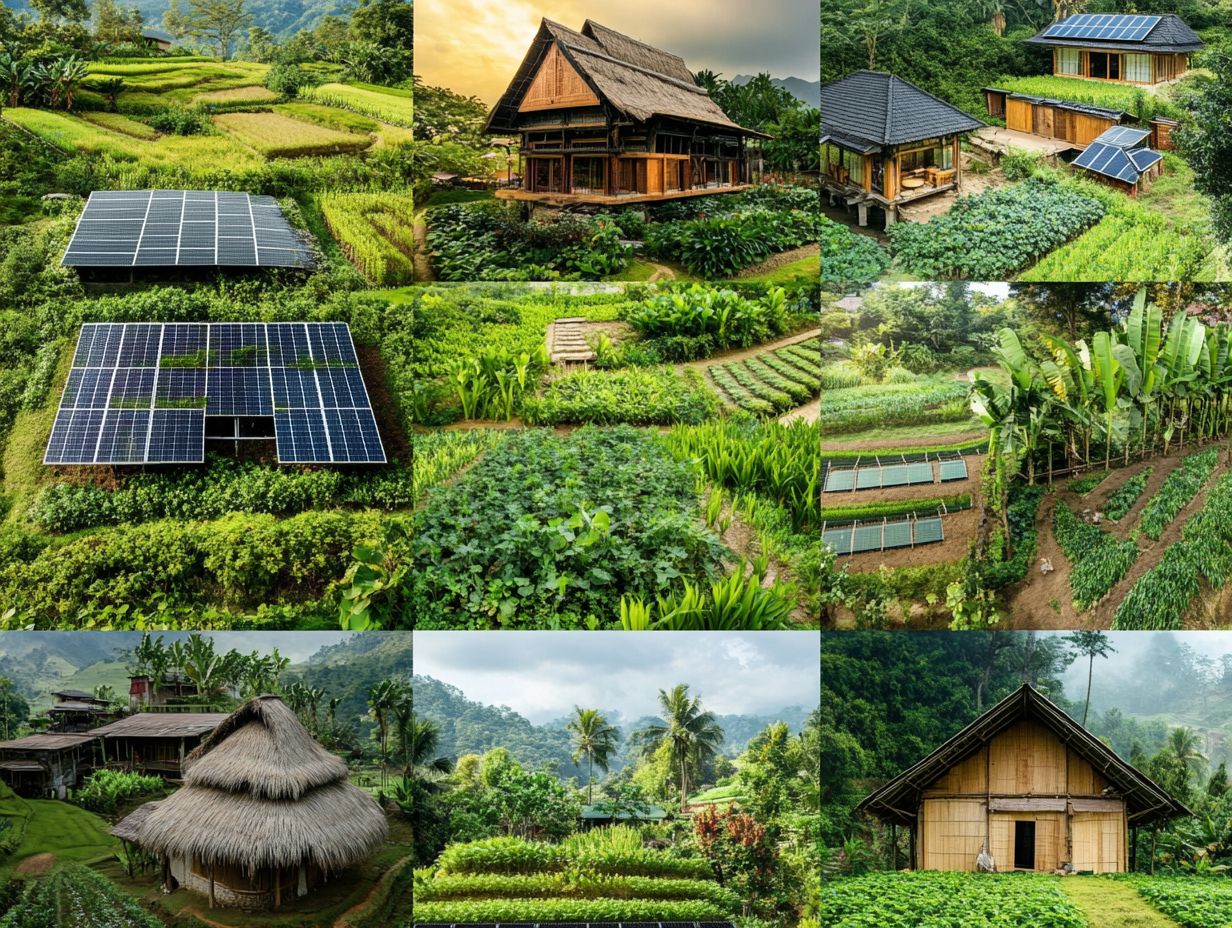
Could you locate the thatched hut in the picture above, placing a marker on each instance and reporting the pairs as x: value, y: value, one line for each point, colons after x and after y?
x: 265, y: 811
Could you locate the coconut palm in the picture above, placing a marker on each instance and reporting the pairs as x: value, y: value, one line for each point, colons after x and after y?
x: 383, y: 701
x: 1184, y: 744
x: 594, y: 739
x: 692, y: 733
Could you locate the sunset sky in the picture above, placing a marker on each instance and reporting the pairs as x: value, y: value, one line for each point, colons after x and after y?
x: 474, y: 47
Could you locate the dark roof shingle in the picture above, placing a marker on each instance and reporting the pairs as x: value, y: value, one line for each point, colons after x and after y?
x: 1170, y: 35
x: 880, y: 109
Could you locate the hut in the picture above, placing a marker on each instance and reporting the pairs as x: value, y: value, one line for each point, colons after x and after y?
x: 156, y: 691
x: 1029, y: 784
x: 78, y: 711
x: 1120, y: 158
x: 1048, y: 118
x: 265, y: 813
x: 1121, y: 47
x: 886, y: 142
x: 599, y: 814
x: 155, y: 743
x: 46, y: 765
x: 605, y: 118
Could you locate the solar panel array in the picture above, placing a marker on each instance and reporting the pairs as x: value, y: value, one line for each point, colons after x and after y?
x: 885, y: 535
x: 1127, y: 165
x: 1106, y: 27
x: 183, y: 228
x: 877, y: 477
x: 139, y: 393
x: 1123, y: 136
x: 953, y: 470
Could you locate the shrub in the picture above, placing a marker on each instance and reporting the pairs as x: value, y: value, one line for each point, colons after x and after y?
x: 288, y: 79
x: 635, y: 396
x: 721, y: 318
x: 178, y: 120
x: 103, y: 791
x: 719, y: 246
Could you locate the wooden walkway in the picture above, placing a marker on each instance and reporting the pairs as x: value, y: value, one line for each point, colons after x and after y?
x: 566, y: 343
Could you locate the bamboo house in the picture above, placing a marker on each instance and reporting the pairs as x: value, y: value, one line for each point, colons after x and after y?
x: 886, y: 143
x: 266, y: 814
x: 1031, y: 786
x: 1120, y: 47
x: 605, y: 118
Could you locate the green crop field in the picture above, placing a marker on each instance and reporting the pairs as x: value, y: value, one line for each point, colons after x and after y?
x: 277, y: 136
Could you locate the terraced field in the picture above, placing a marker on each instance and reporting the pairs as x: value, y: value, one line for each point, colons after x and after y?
x: 274, y: 135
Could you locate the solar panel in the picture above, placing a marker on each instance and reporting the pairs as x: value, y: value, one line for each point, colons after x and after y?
x: 953, y: 470
x: 140, y: 392
x: 839, y: 481
x: 928, y: 531
x: 1123, y: 136
x: 1104, y: 27
x: 181, y: 228
x: 897, y: 535
x: 921, y: 472
x: 838, y: 540
x: 1117, y: 163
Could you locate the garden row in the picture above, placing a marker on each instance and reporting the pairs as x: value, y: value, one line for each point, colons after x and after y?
x: 773, y: 381
x: 922, y: 402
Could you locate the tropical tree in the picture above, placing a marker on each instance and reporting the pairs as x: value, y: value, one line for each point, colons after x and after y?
x: 594, y: 739
x: 1184, y: 744
x: 1091, y: 644
x: 691, y: 732
x: 383, y: 701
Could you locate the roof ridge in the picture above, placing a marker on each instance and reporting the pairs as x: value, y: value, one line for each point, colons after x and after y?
x: 635, y: 67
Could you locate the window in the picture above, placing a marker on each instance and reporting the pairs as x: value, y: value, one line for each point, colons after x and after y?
x: 1105, y: 65
x: 588, y: 175
x: 1069, y: 61
x: 1138, y: 68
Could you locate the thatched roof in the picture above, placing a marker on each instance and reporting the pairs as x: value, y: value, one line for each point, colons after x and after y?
x: 1146, y: 802
x: 637, y: 80
x: 260, y: 793
x: 129, y: 827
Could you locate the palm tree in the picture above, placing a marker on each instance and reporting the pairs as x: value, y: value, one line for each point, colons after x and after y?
x: 693, y: 734
x: 383, y: 699
x: 1184, y: 744
x: 425, y: 769
x: 1093, y: 645
x: 594, y: 739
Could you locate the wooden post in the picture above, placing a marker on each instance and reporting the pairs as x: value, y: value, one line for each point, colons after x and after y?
x: 911, y: 845
x: 1132, y: 863
x: 1154, y: 835
x: 894, y: 845
x: 277, y: 887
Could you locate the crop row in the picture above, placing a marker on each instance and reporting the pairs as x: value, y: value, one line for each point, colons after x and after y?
x: 1178, y: 489
x: 1128, y: 244
x: 1192, y: 902
x: 570, y: 886
x: 384, y: 104
x: 769, y: 383
x: 898, y: 507
x: 374, y: 232
x: 278, y: 136
x: 1084, y: 485
x: 1161, y: 597
x: 1123, y: 498
x: 515, y: 856
x: 1098, y: 559
x: 76, y: 897
x: 893, y: 404
x: 633, y: 396
x: 438, y: 455
x: 941, y: 899
x: 568, y: 910
x: 991, y: 235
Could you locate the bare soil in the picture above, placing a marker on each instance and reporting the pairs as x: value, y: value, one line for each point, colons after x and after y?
x: 874, y: 444
x: 36, y: 865
x: 960, y: 531
x: 809, y: 412
x: 783, y: 258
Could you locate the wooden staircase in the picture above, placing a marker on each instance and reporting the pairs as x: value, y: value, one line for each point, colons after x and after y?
x: 566, y: 344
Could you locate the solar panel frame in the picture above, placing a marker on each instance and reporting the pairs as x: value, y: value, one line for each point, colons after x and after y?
x: 121, y: 405
x: 953, y: 470
x: 840, y: 481
x: 1105, y: 27
x: 183, y: 228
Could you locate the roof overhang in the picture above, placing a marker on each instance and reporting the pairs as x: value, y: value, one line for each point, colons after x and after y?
x: 1146, y: 802
x: 1096, y: 45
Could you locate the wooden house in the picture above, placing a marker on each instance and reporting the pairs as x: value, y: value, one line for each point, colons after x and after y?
x: 1031, y: 785
x: 604, y: 118
x: 79, y: 711
x: 1121, y: 159
x: 167, y: 689
x: 1076, y: 123
x: 886, y: 142
x: 1121, y: 47
x: 155, y: 742
x: 46, y: 765
x: 266, y: 814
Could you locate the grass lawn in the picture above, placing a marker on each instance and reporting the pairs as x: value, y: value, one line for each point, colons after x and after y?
x: 22, y: 463
x: 453, y: 195
x: 1109, y: 904
x: 800, y: 269
x: 59, y: 828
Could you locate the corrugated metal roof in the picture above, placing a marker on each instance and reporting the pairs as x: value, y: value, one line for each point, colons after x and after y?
x: 878, y: 108
x: 48, y: 742
x: 162, y: 725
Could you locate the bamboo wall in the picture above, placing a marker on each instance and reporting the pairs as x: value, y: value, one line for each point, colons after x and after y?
x: 1026, y: 773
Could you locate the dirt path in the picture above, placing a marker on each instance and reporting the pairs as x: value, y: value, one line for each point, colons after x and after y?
x: 344, y: 920
x: 661, y: 272
x: 809, y: 412
x: 423, y: 266
x: 1109, y: 904
x: 837, y: 443
x: 35, y: 865
x: 728, y: 357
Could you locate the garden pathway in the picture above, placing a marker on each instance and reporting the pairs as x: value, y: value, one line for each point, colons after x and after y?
x: 727, y: 357
x: 1110, y: 904
x: 423, y: 266
x: 567, y: 342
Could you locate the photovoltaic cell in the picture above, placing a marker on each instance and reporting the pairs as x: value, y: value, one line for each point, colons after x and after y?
x: 169, y: 228
x: 1106, y: 27
x: 1109, y: 156
x: 140, y: 392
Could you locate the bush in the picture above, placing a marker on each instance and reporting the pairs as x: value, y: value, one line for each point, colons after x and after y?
x: 698, y: 318
x: 719, y: 246
x: 178, y: 120
x: 288, y: 79
x: 103, y: 791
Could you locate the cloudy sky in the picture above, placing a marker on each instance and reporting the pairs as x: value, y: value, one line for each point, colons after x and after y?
x: 543, y: 675
x: 474, y: 47
x: 298, y: 646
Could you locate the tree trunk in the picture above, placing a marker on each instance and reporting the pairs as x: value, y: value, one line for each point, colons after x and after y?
x: 1087, y: 706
